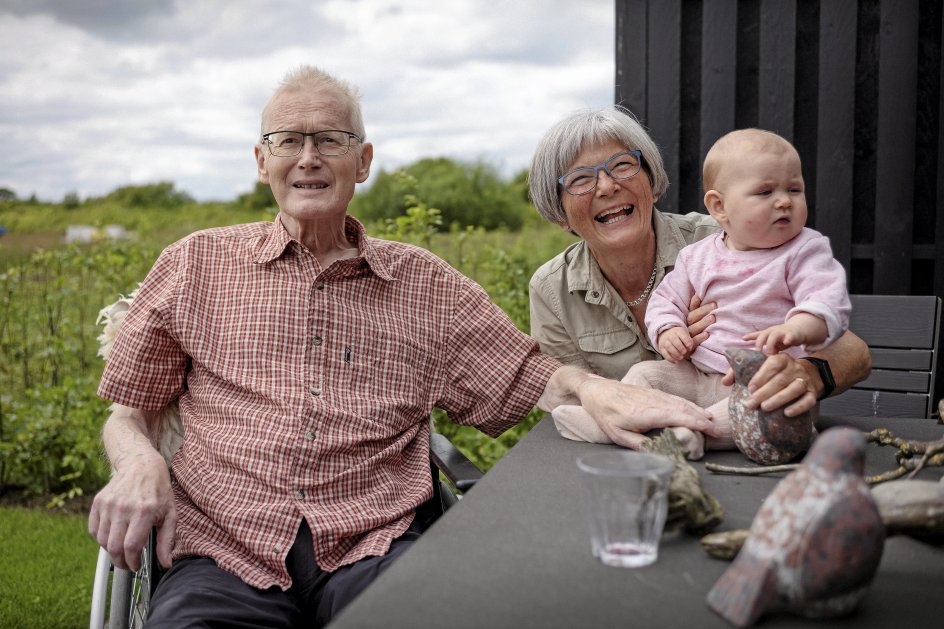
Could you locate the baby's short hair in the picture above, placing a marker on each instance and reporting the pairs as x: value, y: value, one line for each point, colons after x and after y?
x: 736, y: 141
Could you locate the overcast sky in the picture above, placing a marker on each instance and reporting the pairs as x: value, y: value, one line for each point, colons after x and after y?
x: 96, y: 94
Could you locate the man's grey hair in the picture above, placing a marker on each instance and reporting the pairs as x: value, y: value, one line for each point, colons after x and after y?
x: 560, y: 146
x: 310, y: 78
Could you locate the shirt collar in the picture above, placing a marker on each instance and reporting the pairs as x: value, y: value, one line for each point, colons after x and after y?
x: 274, y: 245
x: 669, y: 241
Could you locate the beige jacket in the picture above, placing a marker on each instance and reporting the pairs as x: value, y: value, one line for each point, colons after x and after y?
x: 578, y: 317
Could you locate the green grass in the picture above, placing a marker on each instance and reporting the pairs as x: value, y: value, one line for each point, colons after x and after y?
x: 46, y: 569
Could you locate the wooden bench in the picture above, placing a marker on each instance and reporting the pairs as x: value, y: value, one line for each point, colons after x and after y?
x: 902, y: 333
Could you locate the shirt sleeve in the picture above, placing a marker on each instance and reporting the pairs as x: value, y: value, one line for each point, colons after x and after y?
x: 147, y: 367
x: 496, y: 373
x: 818, y: 284
x: 668, y: 304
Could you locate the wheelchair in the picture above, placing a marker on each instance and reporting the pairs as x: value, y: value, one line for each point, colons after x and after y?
x: 120, y: 598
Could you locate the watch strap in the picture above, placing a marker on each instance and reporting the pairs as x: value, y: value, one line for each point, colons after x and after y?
x: 825, y: 375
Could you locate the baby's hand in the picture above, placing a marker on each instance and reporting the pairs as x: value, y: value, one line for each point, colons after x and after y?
x: 802, y: 328
x: 675, y: 344
x: 776, y: 338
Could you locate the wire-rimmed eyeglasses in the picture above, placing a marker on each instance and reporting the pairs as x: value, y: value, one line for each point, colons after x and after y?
x: 583, y: 180
x: 328, y: 142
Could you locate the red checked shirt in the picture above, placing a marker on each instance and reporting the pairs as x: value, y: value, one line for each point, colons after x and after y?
x: 306, y: 392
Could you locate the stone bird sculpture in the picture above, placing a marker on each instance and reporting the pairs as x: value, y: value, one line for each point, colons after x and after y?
x: 767, y: 438
x: 814, y: 545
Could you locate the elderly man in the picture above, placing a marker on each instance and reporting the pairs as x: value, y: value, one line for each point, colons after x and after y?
x: 306, y: 358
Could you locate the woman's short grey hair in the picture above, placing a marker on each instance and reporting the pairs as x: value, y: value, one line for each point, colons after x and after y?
x: 560, y: 145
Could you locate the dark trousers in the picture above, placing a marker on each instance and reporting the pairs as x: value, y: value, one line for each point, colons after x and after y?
x: 195, y: 592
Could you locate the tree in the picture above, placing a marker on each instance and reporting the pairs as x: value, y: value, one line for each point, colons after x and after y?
x: 259, y: 199
x: 71, y: 200
x: 466, y: 194
x: 154, y: 195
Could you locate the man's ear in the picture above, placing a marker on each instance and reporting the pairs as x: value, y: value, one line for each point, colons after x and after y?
x: 714, y: 201
x: 260, y: 164
x: 363, y: 164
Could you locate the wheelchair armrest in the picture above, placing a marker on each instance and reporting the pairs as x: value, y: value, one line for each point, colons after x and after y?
x: 460, y: 471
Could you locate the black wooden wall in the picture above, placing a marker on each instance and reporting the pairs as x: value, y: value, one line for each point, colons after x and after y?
x: 855, y: 85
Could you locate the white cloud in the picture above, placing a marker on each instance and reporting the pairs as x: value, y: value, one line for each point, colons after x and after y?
x: 135, y: 92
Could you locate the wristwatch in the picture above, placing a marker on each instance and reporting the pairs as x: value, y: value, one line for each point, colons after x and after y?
x: 825, y: 374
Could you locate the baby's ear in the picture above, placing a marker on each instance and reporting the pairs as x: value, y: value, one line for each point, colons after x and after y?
x: 714, y: 201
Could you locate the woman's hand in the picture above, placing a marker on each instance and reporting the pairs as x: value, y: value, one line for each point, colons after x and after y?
x: 782, y: 381
x: 699, y: 318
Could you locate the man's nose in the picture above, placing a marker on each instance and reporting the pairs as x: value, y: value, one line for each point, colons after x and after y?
x: 309, y: 152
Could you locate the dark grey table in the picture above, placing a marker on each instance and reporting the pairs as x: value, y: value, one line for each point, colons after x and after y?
x: 515, y: 553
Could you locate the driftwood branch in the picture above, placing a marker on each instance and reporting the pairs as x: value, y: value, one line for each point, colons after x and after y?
x: 757, y: 470
x: 911, y: 456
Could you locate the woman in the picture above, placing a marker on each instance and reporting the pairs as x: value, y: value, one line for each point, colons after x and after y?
x: 598, y: 174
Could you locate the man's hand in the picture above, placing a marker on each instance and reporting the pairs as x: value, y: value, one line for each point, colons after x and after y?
x: 138, y: 496
x: 123, y: 512
x: 625, y: 412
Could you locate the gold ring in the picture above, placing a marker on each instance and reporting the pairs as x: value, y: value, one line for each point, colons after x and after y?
x: 801, y: 380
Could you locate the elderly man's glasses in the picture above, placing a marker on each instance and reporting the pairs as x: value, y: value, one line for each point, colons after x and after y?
x: 583, y: 180
x: 291, y: 143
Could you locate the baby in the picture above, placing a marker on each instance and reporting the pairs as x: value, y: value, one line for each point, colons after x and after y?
x: 770, y: 277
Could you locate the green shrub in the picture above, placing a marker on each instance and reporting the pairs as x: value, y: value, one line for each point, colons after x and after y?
x: 50, y: 417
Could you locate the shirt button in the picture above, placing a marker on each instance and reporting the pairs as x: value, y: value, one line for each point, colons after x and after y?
x: 595, y: 294
x: 276, y: 549
x: 319, y: 286
x: 310, y: 435
x: 299, y: 494
x: 315, y: 391
x: 318, y: 340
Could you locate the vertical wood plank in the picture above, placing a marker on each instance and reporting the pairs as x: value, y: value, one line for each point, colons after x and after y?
x: 688, y: 184
x: 718, y: 65
x: 663, y: 86
x: 939, y: 215
x: 631, y: 55
x: 894, y: 189
x: 835, y: 126
x: 777, y: 66
x: 939, y: 201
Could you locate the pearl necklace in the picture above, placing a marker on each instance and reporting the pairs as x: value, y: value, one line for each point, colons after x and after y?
x: 645, y: 293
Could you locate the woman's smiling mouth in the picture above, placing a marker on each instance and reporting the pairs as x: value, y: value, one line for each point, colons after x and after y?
x: 614, y: 215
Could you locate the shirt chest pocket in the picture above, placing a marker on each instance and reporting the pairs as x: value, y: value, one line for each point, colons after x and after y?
x: 388, y: 373
x: 613, y: 352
